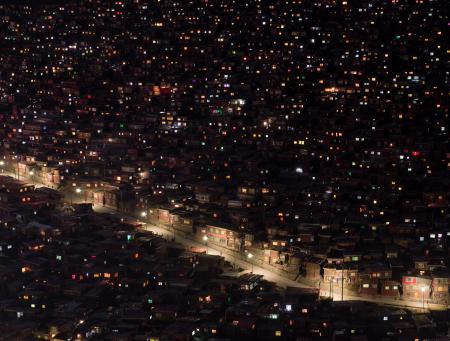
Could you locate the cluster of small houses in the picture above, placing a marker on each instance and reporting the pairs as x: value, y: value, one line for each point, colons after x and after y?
x: 332, y: 265
x: 78, y: 274
x: 378, y: 272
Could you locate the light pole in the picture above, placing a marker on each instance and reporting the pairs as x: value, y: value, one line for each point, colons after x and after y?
x: 121, y: 204
x: 423, y: 297
x: 205, y: 239
x: 250, y: 256
x: 31, y: 173
x: 173, y: 231
x: 144, y: 217
x: 17, y: 166
x: 78, y: 190
x: 331, y: 287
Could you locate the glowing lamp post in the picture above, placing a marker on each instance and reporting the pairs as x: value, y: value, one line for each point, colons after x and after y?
x: 205, y: 239
x: 249, y: 257
x: 423, y: 297
x: 77, y: 191
x: 31, y: 174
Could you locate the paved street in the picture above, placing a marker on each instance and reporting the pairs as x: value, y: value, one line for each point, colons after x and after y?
x: 212, y: 250
x: 21, y: 178
x: 282, y: 281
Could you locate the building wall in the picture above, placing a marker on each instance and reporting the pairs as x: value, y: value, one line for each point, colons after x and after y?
x: 439, y: 290
x: 390, y: 288
x: 412, y: 288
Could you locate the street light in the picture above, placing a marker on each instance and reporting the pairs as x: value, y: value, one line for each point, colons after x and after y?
x: 143, y: 214
x: 250, y: 256
x: 331, y: 287
x: 17, y: 164
x: 31, y: 173
x: 205, y: 239
x: 423, y: 297
x: 78, y: 191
